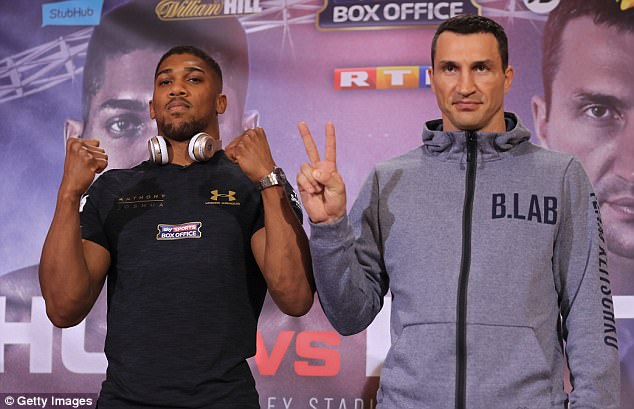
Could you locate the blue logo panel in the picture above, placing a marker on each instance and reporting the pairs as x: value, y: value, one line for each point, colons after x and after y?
x: 72, y: 13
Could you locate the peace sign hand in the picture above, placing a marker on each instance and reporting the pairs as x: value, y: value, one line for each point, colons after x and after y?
x: 320, y: 186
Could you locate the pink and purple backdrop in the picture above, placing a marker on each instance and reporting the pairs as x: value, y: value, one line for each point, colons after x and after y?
x: 301, y: 362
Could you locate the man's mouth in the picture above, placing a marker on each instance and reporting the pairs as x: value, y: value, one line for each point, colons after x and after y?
x: 622, y: 206
x: 466, y: 105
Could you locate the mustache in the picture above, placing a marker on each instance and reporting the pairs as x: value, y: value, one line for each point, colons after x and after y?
x: 175, y: 100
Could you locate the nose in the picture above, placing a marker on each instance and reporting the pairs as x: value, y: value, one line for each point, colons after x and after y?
x: 177, y: 89
x: 466, y: 84
x: 624, y: 160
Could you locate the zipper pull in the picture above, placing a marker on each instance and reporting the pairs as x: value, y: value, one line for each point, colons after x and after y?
x: 472, y: 144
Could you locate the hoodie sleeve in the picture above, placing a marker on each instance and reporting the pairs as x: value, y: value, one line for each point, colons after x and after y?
x: 588, y: 323
x: 348, y: 265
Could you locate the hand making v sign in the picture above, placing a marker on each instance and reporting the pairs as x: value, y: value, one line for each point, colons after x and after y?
x: 320, y: 186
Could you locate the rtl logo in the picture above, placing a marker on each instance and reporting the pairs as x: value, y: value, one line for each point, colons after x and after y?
x: 382, y: 77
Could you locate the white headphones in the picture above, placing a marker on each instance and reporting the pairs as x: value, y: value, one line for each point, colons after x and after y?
x: 201, y: 148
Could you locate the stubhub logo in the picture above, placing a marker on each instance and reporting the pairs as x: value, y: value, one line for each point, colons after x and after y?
x: 382, y: 77
x: 72, y: 13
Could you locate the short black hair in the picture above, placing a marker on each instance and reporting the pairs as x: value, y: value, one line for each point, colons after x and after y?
x: 605, y: 13
x: 197, y: 52
x: 135, y: 26
x: 474, y: 24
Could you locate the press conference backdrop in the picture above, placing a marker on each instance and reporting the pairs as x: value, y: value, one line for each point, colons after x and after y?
x: 361, y: 64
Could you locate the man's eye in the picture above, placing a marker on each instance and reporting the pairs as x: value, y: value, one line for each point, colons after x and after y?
x: 124, y: 126
x: 481, y: 68
x: 163, y: 82
x: 600, y: 112
x: 449, y: 68
x: 597, y: 111
x: 195, y: 80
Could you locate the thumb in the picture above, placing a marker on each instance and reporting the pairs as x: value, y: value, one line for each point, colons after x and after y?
x: 321, y: 175
x: 329, y: 178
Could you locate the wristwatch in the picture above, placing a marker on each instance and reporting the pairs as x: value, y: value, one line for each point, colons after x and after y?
x: 275, y: 178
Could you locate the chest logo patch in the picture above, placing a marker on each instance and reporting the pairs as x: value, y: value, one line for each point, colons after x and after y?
x: 189, y: 230
x: 532, y: 208
x: 140, y: 201
x: 218, y: 198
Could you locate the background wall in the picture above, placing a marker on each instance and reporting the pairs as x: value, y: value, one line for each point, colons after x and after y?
x: 301, y: 362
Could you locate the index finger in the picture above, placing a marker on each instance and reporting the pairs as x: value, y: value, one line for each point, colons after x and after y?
x: 309, y: 142
x: 91, y: 142
x: 229, y: 149
x: 331, y: 143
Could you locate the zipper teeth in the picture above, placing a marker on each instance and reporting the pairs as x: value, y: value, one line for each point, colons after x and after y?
x: 463, y: 280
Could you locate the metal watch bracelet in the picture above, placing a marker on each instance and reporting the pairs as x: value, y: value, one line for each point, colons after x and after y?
x: 275, y: 178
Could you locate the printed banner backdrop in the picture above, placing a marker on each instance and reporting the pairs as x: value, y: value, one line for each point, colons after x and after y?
x: 360, y: 64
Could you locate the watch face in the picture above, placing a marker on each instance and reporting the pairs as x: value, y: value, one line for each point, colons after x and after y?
x: 275, y: 178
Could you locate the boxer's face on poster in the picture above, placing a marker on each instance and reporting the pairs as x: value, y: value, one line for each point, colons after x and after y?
x: 592, y: 116
x: 119, y: 115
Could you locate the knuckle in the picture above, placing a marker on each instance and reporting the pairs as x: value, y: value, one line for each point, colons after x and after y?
x: 74, y: 145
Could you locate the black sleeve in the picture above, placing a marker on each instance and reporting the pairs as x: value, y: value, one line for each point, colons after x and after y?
x: 90, y: 219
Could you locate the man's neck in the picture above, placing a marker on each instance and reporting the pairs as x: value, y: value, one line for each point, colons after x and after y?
x: 178, y: 153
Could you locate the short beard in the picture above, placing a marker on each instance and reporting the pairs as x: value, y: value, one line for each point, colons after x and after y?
x: 185, y: 131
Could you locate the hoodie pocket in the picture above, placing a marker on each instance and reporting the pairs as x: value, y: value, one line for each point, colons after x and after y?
x: 508, y: 367
x: 419, y: 369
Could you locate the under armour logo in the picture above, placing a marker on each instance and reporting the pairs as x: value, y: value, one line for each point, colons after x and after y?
x: 627, y: 4
x: 231, y: 195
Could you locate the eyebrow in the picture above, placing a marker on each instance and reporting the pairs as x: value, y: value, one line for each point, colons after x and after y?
x: 188, y: 69
x: 482, y: 62
x: 479, y: 62
x: 127, y: 104
x: 602, y: 99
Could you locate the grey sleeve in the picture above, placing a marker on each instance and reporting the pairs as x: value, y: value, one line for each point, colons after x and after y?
x: 348, y: 264
x: 588, y: 324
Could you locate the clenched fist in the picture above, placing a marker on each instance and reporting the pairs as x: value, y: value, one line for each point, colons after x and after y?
x: 84, y: 159
x: 251, y: 151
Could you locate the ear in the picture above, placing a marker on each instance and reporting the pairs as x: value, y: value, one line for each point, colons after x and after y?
x: 73, y: 129
x: 509, y: 74
x: 152, y: 113
x: 539, y: 109
x: 251, y: 119
x: 221, y: 103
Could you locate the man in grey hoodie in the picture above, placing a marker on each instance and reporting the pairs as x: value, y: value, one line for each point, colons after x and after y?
x: 492, y: 248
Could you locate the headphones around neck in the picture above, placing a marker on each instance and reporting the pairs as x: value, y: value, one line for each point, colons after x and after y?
x: 201, y: 148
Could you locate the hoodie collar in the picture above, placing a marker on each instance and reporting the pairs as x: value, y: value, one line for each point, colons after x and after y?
x: 452, y: 147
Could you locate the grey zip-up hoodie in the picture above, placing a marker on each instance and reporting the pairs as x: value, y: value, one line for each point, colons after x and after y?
x: 480, y: 268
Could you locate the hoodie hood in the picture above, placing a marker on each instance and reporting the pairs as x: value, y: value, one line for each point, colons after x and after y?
x: 452, y: 146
